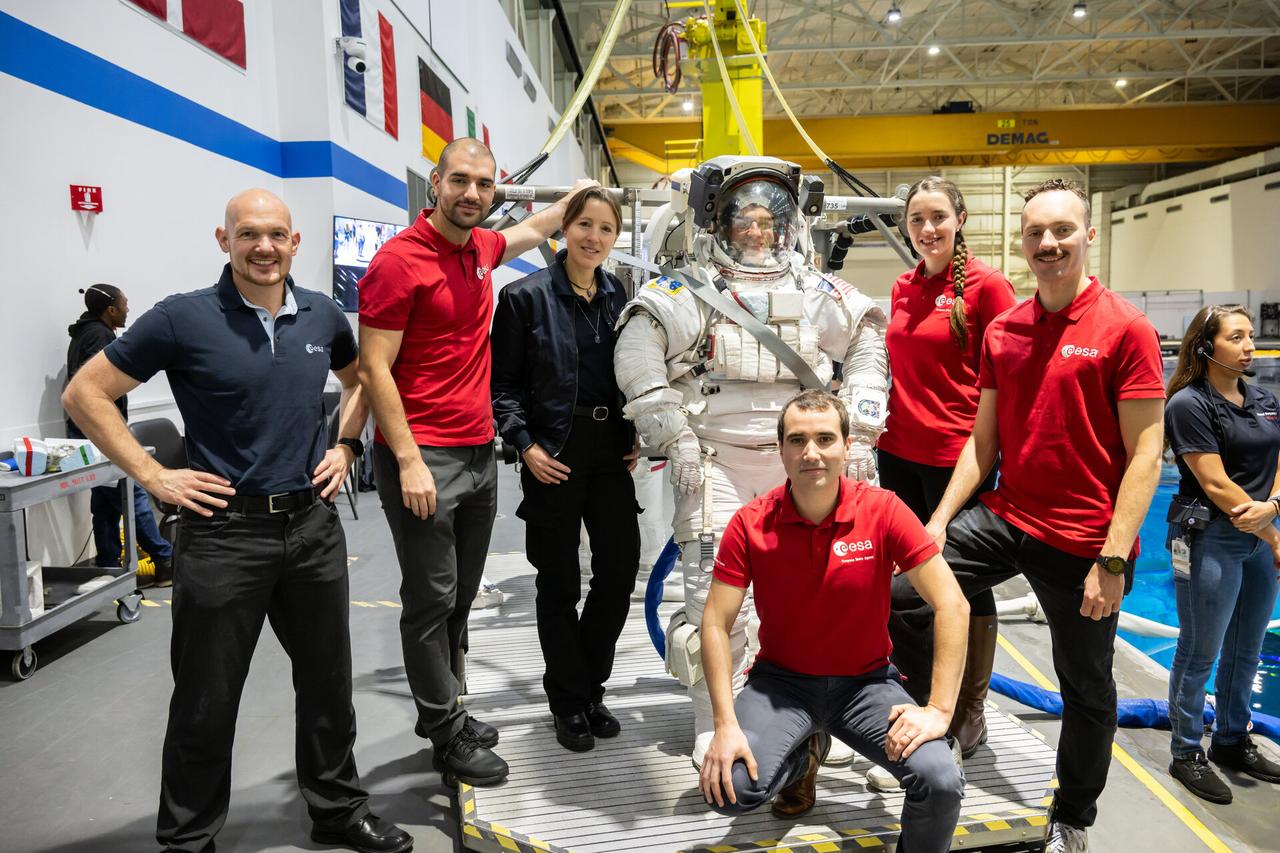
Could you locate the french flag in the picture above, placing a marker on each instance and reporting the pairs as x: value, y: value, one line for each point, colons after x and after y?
x: 373, y: 93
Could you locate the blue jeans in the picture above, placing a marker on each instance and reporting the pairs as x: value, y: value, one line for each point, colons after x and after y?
x: 1223, y: 610
x: 104, y: 505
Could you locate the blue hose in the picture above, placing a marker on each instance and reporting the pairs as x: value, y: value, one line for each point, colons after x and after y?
x: 1132, y: 713
x: 653, y: 595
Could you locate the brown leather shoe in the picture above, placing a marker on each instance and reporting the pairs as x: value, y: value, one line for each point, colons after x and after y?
x: 969, y: 724
x: 798, y: 797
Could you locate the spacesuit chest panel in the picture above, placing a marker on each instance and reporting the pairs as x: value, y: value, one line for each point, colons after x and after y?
x: 735, y: 354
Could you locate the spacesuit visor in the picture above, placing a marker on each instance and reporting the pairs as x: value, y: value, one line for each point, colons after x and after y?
x: 757, y: 224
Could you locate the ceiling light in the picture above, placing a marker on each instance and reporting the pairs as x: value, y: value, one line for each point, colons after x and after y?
x: 687, y: 105
x: 895, y: 14
x: 1121, y: 83
x: 934, y: 50
x: 1079, y: 10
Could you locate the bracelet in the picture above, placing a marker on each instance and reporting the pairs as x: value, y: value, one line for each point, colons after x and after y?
x: 1275, y: 503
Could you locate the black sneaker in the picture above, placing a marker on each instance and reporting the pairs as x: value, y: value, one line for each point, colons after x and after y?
x: 465, y: 759
x: 603, y: 722
x: 1198, y: 777
x: 1246, y: 758
x: 164, y: 572
x: 484, y: 733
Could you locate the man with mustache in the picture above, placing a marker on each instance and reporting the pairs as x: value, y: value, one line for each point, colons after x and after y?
x: 426, y: 303
x: 1072, y: 400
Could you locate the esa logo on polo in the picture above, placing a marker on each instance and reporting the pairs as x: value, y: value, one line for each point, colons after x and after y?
x: 944, y: 302
x: 849, y: 552
x: 314, y: 348
x: 1085, y: 352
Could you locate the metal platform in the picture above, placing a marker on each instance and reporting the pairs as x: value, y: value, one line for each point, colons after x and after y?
x: 638, y: 792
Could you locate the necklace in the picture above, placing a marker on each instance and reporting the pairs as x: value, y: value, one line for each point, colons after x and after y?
x: 595, y: 327
x: 586, y: 292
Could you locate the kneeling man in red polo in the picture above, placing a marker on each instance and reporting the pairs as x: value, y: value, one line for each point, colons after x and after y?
x: 820, y: 552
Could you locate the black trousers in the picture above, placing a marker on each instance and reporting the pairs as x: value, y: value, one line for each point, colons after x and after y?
x: 441, y: 564
x: 578, y: 650
x: 983, y: 550
x: 232, y: 572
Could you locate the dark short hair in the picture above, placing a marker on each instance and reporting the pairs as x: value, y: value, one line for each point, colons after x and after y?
x: 99, y: 297
x: 579, y: 201
x: 815, y: 400
x: 1061, y: 185
x: 471, y: 144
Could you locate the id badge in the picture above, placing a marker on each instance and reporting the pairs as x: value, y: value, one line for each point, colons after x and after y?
x: 1181, y: 550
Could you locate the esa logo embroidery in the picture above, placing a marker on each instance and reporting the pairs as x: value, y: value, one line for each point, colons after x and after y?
x: 848, y: 552
x: 1086, y: 352
x: 944, y: 302
x: 481, y: 272
x: 314, y: 348
x: 869, y: 409
x: 1272, y: 416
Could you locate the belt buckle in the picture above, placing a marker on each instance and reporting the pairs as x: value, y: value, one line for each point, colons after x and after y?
x: 600, y: 413
x: 271, y: 503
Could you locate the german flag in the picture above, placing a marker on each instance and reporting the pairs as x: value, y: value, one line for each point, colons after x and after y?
x: 437, y: 113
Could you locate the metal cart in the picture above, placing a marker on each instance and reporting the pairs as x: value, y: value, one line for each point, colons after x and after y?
x: 63, y: 602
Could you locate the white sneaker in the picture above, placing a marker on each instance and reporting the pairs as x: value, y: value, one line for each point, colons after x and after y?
x: 701, y: 743
x: 882, y: 780
x: 839, y: 755
x: 1064, y: 838
x: 488, y: 596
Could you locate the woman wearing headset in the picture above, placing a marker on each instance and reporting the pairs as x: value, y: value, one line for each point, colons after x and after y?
x: 1225, y: 434
x: 940, y: 310
x: 557, y: 402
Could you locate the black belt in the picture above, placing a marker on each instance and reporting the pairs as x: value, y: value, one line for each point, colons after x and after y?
x: 270, y: 504
x: 596, y: 413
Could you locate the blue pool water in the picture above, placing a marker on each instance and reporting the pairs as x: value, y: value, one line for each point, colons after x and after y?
x: 1152, y: 597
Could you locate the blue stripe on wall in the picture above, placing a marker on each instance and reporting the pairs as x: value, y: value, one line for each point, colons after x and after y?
x: 521, y: 265
x: 43, y: 60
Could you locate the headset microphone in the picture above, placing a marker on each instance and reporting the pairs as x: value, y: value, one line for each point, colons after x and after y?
x: 1247, y: 371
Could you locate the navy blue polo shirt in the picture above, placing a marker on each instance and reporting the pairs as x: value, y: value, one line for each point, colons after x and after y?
x: 253, y: 416
x: 1198, y: 419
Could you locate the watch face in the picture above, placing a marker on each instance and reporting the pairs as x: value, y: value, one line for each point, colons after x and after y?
x: 1114, y: 565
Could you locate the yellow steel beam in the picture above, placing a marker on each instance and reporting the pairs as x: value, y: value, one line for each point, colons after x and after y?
x: 663, y: 165
x: 1083, y: 136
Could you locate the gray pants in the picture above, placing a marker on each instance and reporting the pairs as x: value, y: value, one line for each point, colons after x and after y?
x: 441, y: 563
x: 778, y: 711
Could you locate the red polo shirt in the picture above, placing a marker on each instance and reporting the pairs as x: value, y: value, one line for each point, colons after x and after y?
x: 934, y: 395
x: 1058, y: 378
x: 822, y: 590
x: 441, y: 296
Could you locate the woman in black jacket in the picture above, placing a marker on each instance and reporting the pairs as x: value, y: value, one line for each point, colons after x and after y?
x: 557, y: 402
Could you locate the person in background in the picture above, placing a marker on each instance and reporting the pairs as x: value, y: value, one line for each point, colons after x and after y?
x: 107, y: 309
x: 557, y: 402
x: 426, y: 305
x: 940, y: 311
x: 1225, y: 435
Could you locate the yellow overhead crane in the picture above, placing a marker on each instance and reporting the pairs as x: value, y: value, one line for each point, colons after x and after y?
x: 1166, y: 134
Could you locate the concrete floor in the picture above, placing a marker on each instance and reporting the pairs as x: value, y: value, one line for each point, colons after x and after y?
x: 80, y: 749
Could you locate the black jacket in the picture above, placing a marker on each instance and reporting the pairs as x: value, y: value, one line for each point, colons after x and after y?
x: 535, y: 356
x: 89, y: 336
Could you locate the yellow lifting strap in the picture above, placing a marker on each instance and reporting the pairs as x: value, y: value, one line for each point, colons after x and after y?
x: 727, y: 83
x: 589, y: 79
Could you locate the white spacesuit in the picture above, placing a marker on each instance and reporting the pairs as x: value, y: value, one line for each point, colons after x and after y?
x: 707, y: 392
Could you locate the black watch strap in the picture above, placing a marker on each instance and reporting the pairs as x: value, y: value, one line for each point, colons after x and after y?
x: 356, y: 445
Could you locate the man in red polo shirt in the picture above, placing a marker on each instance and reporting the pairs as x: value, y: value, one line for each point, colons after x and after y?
x: 1072, y: 399
x: 819, y: 553
x: 426, y: 304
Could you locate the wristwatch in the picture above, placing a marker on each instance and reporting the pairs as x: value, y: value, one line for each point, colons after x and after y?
x: 1113, y: 565
x: 356, y: 445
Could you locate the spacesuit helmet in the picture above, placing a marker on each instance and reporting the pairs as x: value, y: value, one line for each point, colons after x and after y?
x: 747, y: 206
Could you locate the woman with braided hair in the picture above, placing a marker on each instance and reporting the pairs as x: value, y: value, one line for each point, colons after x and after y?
x: 939, y: 312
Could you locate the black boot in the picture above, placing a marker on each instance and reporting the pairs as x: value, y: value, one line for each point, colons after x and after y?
x: 370, y: 834
x: 1198, y: 778
x: 573, y: 731
x: 465, y: 759
x: 484, y: 733
x: 1245, y: 757
x: 603, y: 722
x: 164, y: 571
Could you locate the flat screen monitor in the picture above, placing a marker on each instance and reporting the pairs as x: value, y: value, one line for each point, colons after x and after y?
x: 355, y: 242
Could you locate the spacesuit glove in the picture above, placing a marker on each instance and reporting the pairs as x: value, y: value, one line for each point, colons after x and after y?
x: 860, y: 463
x: 685, y: 458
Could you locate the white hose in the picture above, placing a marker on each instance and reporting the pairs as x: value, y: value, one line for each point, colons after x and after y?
x: 589, y: 79
x: 1029, y: 607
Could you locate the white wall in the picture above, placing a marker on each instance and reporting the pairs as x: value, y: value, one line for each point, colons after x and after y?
x: 164, y: 196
